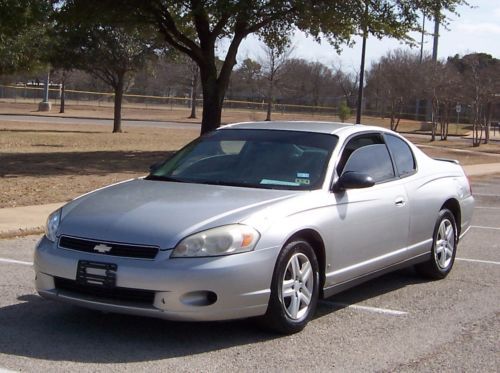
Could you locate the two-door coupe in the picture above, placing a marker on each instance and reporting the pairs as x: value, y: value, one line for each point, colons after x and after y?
x: 257, y: 220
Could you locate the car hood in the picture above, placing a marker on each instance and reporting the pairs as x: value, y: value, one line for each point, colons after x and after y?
x: 161, y: 213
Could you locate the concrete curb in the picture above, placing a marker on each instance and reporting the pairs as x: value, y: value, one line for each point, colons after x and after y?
x: 25, y: 220
x: 21, y: 233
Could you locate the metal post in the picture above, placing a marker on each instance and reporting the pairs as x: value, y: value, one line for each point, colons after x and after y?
x: 45, y: 105
x: 46, y: 88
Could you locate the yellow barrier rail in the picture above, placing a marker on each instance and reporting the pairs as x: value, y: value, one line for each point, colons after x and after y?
x: 173, y: 98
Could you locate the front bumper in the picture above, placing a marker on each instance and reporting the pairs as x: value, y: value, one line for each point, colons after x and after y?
x: 240, y: 282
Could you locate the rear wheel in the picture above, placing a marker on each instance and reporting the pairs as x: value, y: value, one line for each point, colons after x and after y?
x: 444, y: 247
x: 294, y: 289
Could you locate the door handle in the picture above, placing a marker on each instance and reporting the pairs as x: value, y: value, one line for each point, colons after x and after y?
x: 400, y: 201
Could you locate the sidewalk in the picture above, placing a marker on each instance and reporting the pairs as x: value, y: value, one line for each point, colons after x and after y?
x: 21, y: 221
x: 482, y: 169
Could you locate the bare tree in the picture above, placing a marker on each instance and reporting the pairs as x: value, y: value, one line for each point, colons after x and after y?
x: 246, y: 81
x: 393, y: 82
x: 442, y: 86
x: 348, y: 83
x: 481, y: 75
x: 277, y: 52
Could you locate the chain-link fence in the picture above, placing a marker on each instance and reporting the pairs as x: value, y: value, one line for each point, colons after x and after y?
x: 34, y: 94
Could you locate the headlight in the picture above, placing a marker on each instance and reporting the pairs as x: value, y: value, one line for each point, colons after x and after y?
x: 229, y: 239
x: 52, y: 224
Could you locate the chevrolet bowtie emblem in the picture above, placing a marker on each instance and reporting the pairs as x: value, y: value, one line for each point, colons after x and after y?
x: 102, y: 248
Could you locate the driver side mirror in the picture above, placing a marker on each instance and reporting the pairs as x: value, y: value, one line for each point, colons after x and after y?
x: 353, y: 180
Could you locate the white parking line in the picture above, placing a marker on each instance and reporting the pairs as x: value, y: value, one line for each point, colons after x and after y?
x: 13, y: 261
x: 477, y: 261
x: 487, y: 208
x: 486, y: 194
x: 483, y: 227
x: 384, y: 311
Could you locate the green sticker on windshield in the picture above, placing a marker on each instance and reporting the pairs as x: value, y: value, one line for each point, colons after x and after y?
x: 303, y: 181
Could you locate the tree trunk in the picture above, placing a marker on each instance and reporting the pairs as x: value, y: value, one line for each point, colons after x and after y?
x: 434, y: 117
x: 212, y: 102
x: 214, y: 89
x: 393, y: 115
x: 214, y: 84
x: 488, y: 122
x: 475, y: 126
x: 117, y: 120
x: 398, y: 115
x: 63, y: 98
x: 269, y: 100
x: 194, y: 86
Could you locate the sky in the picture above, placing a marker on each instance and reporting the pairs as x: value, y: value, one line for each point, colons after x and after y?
x: 476, y: 29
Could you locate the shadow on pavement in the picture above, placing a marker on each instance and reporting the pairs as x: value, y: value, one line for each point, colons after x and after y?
x: 43, y: 329
x: 373, y: 288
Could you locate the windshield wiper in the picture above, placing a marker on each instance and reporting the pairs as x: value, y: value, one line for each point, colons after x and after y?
x: 163, y: 178
x: 227, y: 183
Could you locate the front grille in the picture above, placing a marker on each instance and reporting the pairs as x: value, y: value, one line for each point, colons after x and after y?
x: 103, y: 293
x: 128, y: 251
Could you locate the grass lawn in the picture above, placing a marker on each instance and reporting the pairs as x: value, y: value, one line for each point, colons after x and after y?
x: 45, y: 163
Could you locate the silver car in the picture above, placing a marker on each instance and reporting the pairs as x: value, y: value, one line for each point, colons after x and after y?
x: 257, y: 220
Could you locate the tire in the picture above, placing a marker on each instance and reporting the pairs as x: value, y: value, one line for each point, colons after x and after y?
x: 444, y: 248
x: 294, y: 289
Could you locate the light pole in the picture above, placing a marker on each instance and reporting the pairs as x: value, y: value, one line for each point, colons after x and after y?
x: 362, y: 68
x: 436, y: 36
x: 437, y: 21
x: 417, y: 103
x: 422, y: 38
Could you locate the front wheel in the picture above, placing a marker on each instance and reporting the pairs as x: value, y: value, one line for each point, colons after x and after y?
x: 294, y: 289
x: 444, y: 247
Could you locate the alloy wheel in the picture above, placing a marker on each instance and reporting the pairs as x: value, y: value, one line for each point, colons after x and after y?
x: 445, y: 244
x: 297, y: 286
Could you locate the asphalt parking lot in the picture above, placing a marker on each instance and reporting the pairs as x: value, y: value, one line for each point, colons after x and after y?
x: 395, y: 323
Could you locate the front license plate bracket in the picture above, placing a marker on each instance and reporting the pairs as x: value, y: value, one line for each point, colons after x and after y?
x: 96, y: 274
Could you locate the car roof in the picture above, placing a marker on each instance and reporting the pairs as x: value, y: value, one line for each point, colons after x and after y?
x: 333, y: 128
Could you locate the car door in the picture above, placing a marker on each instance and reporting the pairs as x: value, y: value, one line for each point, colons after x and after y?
x: 369, y: 228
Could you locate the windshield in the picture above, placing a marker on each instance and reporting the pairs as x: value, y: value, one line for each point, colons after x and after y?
x: 252, y: 158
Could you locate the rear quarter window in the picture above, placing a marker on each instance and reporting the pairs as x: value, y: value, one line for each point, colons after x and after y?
x: 402, y: 154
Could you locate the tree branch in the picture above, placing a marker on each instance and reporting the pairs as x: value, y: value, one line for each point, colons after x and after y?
x: 176, y: 37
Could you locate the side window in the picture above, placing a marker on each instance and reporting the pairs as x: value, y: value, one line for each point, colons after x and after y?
x: 373, y: 160
x: 403, y: 156
x: 356, y: 143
